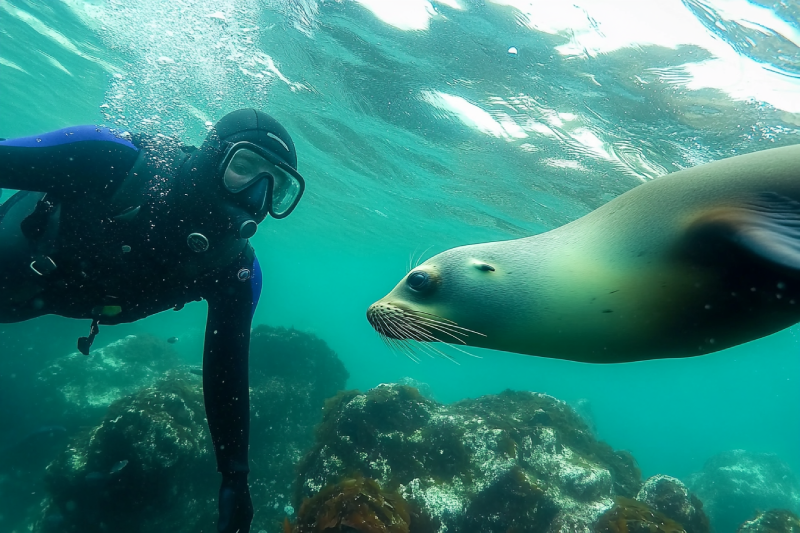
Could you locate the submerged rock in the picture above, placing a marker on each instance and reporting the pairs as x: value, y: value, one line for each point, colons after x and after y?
x: 149, y: 465
x: 168, y: 479
x: 669, y: 496
x: 355, y: 504
x: 517, y: 461
x: 291, y: 375
x: 76, y: 389
x: 68, y: 393
x: 735, y: 485
x: 631, y: 516
x: 776, y: 521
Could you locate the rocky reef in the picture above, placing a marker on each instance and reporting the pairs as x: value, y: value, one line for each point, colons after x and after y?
x: 65, y: 394
x: 517, y: 461
x: 76, y: 389
x: 390, y: 460
x: 669, y: 496
x: 735, y: 485
x: 775, y: 521
x: 663, y: 505
x: 291, y: 375
x: 149, y: 465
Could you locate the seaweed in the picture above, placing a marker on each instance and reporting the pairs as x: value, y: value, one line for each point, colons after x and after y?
x: 513, y: 504
x: 478, y: 465
x: 520, y: 412
x: 357, y: 504
x: 630, y: 516
x: 774, y: 521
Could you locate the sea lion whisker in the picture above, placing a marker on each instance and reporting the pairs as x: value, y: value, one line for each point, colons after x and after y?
x: 444, y: 327
x: 387, y: 341
x: 418, y: 343
x: 444, y: 322
x: 423, y: 347
x: 449, y: 334
x: 403, y: 347
x: 430, y: 350
x: 420, y: 335
x: 408, y: 350
x: 380, y: 323
x: 400, y: 344
x: 390, y: 327
x: 418, y: 339
x: 418, y: 312
x: 441, y: 353
x: 450, y: 345
x: 421, y: 255
x: 441, y: 320
x: 413, y: 332
x: 410, y: 260
x: 432, y: 318
x: 421, y: 329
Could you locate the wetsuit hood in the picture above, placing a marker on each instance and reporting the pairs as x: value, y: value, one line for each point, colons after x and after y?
x: 204, y: 170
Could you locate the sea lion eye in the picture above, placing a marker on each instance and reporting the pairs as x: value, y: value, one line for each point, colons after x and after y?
x: 418, y: 280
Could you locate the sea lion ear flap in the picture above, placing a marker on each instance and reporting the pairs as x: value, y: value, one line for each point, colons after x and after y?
x: 767, y: 227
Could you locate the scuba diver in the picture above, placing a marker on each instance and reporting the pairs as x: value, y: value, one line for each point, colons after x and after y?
x: 116, y: 227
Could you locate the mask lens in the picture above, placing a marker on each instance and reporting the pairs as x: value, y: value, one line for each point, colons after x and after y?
x: 247, y: 164
x: 244, y: 167
x: 284, y: 191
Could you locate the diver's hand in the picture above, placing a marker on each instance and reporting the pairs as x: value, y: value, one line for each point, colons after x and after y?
x: 235, y: 507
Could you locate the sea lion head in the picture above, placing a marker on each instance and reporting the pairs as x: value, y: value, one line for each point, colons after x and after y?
x: 448, y: 298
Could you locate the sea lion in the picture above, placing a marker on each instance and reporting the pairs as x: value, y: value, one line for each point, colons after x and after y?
x: 687, y: 264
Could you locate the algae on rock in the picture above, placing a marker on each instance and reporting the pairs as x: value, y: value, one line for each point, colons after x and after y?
x: 734, y: 485
x: 670, y: 496
x: 775, y: 521
x: 149, y: 465
x: 516, y: 461
x: 76, y: 389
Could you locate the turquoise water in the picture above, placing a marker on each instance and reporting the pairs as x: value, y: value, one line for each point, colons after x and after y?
x: 419, y: 129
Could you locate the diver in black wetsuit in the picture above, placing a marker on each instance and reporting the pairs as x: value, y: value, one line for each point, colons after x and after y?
x: 112, y: 227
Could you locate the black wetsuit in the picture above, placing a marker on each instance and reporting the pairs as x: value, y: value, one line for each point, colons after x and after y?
x: 113, y: 266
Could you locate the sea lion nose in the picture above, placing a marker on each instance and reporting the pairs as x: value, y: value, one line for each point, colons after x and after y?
x: 379, y: 315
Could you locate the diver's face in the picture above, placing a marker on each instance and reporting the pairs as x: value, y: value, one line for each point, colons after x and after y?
x: 245, y: 166
x: 260, y: 181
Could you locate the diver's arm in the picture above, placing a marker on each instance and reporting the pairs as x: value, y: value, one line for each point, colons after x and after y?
x: 227, y: 392
x: 73, y: 160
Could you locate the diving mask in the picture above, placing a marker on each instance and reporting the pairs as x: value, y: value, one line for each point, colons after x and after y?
x: 246, y: 164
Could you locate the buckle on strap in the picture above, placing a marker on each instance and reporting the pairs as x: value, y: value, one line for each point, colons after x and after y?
x: 43, y: 265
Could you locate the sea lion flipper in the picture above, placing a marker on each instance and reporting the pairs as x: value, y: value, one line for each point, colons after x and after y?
x: 768, y: 227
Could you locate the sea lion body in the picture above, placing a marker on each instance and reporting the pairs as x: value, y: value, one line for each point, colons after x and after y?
x: 687, y: 264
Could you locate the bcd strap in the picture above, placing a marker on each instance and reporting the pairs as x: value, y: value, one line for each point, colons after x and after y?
x: 84, y: 343
x: 40, y: 227
x: 35, y: 224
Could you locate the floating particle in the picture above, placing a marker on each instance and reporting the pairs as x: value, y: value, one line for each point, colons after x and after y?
x: 119, y: 466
